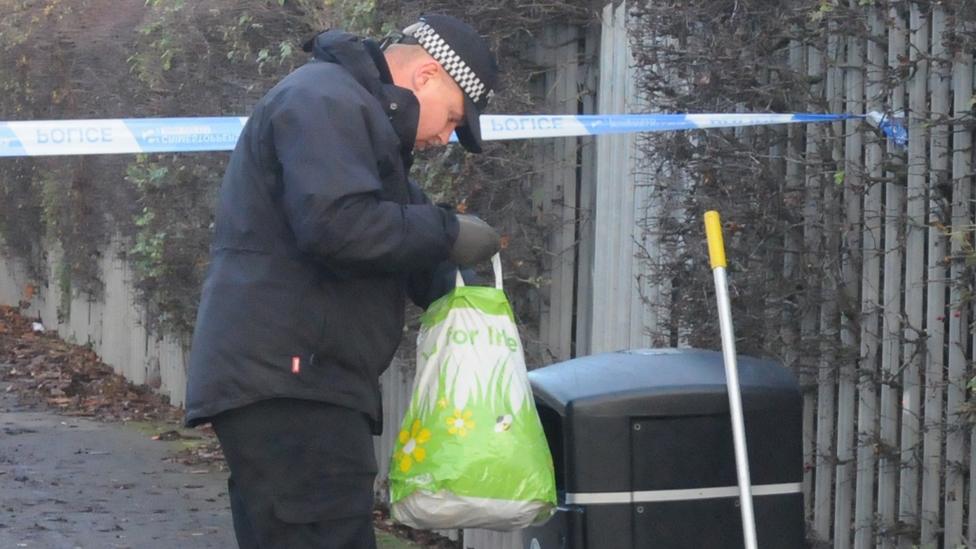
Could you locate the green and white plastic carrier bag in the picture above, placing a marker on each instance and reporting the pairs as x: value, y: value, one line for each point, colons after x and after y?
x: 471, y: 452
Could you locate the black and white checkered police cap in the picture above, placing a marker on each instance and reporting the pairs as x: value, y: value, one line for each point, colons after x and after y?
x: 465, y: 56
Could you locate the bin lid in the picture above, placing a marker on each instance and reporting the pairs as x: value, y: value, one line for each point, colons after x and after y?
x: 658, y: 382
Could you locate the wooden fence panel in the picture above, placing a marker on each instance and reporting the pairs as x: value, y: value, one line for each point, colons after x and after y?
x: 793, y: 263
x: 961, y: 244
x: 587, y: 202
x: 617, y: 174
x: 867, y: 410
x: 621, y: 282
x: 559, y: 182
x: 891, y: 331
x: 915, y: 232
x: 543, y: 156
x: 935, y: 302
x: 810, y: 325
x: 609, y: 97
x: 829, y: 357
x: 853, y: 180
x: 963, y: 162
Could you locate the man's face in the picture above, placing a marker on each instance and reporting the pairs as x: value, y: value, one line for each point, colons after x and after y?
x: 441, y: 108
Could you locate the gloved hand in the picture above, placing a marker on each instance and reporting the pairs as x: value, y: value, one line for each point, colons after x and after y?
x: 476, y: 241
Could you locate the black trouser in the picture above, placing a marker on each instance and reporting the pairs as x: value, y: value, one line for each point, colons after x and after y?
x: 301, y: 475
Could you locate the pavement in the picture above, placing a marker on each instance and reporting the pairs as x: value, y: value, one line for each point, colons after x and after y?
x: 72, y: 482
x: 88, y: 460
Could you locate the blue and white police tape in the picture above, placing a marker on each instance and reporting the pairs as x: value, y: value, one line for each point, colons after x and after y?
x: 121, y: 135
x: 168, y: 135
x: 499, y: 127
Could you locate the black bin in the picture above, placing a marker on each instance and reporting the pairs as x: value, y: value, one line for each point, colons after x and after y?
x: 642, y: 446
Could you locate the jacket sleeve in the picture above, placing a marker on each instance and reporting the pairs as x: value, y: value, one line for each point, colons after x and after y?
x: 331, y: 190
x: 424, y: 286
x: 427, y: 285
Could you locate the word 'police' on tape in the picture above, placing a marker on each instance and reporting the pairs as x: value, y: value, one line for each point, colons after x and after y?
x: 199, y: 134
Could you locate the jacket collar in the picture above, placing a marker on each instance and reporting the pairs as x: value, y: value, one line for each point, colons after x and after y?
x: 367, y: 64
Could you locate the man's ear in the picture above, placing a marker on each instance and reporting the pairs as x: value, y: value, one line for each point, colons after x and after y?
x: 425, y: 73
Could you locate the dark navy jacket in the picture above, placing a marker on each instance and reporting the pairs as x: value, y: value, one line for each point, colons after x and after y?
x: 319, y: 238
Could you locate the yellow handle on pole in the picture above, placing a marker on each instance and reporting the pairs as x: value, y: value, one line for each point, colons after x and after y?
x: 716, y: 246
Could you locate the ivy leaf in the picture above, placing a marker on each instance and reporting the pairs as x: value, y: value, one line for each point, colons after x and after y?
x: 156, y: 174
x: 824, y: 8
x: 284, y: 51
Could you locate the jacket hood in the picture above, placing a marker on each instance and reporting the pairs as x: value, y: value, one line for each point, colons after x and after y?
x: 348, y: 50
x: 367, y: 64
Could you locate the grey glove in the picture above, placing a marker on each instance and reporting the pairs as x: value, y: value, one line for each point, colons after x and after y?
x: 476, y: 241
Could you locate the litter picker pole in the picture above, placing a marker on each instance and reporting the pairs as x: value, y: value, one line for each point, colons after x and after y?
x: 716, y: 254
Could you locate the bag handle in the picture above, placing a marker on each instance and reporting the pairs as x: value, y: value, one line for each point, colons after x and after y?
x: 496, y: 264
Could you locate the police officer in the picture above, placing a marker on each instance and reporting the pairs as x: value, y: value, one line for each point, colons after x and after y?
x: 319, y: 239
